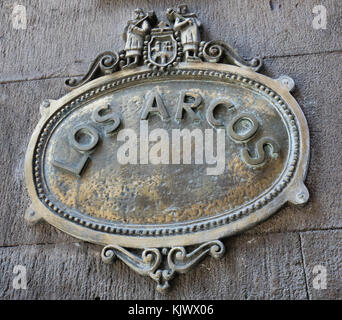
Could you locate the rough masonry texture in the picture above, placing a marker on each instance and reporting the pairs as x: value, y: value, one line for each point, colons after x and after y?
x: 274, y: 260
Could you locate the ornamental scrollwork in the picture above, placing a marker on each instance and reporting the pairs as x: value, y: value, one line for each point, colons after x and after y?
x: 161, y: 45
x: 162, y: 265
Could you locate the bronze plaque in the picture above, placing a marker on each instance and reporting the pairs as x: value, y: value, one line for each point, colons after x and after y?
x: 173, y: 142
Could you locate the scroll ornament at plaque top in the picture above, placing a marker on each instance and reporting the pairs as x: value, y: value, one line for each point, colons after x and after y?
x: 166, y: 147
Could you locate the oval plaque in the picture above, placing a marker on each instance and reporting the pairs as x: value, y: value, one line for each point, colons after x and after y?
x: 166, y: 146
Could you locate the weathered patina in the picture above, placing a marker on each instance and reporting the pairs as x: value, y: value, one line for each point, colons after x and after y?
x: 79, y: 184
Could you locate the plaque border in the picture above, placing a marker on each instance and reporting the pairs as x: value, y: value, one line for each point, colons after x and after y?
x: 290, y: 187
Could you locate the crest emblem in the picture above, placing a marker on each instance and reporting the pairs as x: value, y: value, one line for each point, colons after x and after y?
x: 162, y: 48
x: 163, y: 148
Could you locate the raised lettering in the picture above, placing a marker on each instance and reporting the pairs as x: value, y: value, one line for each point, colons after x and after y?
x: 187, y: 102
x: 155, y: 105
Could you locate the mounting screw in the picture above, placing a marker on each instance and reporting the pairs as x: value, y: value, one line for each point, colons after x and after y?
x: 286, y: 82
x: 31, y: 216
x: 45, y: 104
x: 302, y: 197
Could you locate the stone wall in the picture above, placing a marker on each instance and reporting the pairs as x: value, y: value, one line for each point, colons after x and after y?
x: 274, y: 260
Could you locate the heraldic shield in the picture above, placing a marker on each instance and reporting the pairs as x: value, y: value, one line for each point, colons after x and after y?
x: 162, y: 47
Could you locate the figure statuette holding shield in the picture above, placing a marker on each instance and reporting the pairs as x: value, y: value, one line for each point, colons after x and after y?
x: 134, y: 35
x: 189, y: 27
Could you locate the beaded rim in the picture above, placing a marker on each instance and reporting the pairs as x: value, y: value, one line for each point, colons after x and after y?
x: 184, y: 227
x: 164, y: 229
